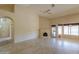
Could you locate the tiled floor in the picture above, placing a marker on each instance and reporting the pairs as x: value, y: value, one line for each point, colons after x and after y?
x: 42, y: 46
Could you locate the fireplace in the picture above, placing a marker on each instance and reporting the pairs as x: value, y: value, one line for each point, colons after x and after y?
x: 45, y: 33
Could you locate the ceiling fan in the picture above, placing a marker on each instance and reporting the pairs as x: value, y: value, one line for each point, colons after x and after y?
x: 48, y: 10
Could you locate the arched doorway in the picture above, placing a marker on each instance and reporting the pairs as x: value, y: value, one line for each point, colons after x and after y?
x: 6, y: 29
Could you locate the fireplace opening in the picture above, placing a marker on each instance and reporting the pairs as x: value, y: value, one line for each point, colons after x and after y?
x: 45, y: 34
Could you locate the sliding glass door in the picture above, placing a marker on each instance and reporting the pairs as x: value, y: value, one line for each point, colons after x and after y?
x: 54, y: 32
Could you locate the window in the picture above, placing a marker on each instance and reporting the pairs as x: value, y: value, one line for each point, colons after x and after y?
x: 6, y: 28
x: 71, y: 29
x: 66, y: 30
x: 74, y: 30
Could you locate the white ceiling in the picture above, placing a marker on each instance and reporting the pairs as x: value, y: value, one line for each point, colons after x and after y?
x: 56, y: 11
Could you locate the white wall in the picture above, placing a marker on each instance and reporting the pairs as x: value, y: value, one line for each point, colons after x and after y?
x: 26, y: 24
